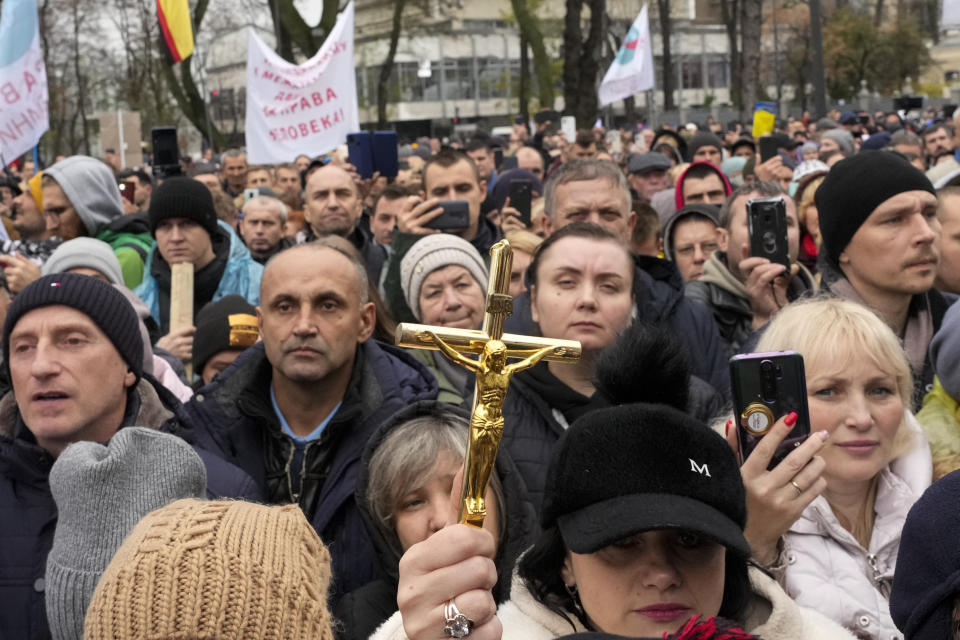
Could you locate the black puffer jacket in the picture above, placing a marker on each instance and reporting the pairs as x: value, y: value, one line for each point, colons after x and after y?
x: 658, y: 290
x: 362, y: 611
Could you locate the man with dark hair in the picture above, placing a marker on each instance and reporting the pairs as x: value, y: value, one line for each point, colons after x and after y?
x: 646, y: 238
x: 948, y: 214
x: 584, y: 146
x: 481, y: 152
x: 296, y: 409
x: 881, y: 248
x: 742, y: 291
x: 450, y: 175
x: 938, y: 143
x: 143, y: 184
x: 701, y: 183
x: 385, y: 212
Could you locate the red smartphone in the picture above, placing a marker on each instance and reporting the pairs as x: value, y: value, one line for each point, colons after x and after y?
x: 128, y: 189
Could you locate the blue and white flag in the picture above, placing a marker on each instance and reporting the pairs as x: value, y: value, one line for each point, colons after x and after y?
x: 632, y: 70
x: 23, y: 80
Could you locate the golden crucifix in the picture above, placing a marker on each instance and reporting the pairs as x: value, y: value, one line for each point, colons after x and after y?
x: 492, y: 374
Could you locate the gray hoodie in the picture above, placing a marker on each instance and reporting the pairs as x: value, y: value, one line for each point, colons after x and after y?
x: 91, y: 188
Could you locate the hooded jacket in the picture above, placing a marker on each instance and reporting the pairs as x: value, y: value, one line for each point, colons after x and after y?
x: 28, y: 513
x: 678, y: 193
x: 92, y: 190
x: 940, y: 419
x: 241, y: 275
x: 233, y: 417
x: 659, y: 297
x: 366, y: 608
x: 727, y: 298
x: 772, y: 615
x: 826, y: 568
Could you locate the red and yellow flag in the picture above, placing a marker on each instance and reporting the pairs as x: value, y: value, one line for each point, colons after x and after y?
x: 177, y: 31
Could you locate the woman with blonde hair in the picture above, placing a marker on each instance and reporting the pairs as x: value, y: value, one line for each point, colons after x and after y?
x: 830, y: 524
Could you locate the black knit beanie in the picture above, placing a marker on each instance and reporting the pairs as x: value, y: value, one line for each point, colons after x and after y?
x: 703, y: 139
x: 228, y: 324
x: 101, y: 302
x: 855, y: 187
x: 183, y: 198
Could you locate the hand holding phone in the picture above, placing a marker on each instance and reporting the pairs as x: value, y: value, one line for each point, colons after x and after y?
x: 767, y: 225
x: 455, y: 216
x: 781, y: 470
x: 520, y: 199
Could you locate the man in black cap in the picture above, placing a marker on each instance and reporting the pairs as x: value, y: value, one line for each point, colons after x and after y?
x: 881, y: 248
x: 647, y: 174
x: 705, y: 147
x: 224, y: 329
x: 74, y: 357
x: 185, y: 225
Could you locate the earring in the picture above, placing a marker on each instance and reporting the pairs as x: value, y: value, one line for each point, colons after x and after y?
x: 575, y: 596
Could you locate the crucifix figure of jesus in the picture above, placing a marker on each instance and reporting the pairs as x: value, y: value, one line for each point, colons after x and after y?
x: 492, y: 374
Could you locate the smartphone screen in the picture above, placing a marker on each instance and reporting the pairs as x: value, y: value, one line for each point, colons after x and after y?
x: 767, y: 386
x: 128, y: 189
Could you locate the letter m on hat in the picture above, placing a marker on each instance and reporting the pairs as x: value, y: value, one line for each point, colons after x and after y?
x: 703, y: 469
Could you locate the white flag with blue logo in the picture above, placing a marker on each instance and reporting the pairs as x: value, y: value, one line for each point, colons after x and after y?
x: 632, y: 70
x: 23, y: 80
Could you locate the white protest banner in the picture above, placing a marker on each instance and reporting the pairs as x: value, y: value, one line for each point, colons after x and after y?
x: 23, y: 80
x: 950, y: 14
x: 632, y: 69
x: 301, y: 109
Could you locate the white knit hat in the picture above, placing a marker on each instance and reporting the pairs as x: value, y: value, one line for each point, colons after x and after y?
x: 435, y: 252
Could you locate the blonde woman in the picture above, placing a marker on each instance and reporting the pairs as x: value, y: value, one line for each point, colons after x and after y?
x: 830, y: 524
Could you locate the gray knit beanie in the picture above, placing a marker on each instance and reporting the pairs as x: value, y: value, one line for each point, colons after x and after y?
x: 85, y: 252
x: 101, y: 493
x: 91, y: 188
x: 843, y: 138
x: 434, y: 252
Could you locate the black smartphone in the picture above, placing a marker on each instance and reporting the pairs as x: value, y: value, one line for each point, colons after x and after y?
x: 456, y: 215
x: 360, y: 150
x: 768, y: 148
x: 767, y: 223
x: 385, y: 153
x: 497, y: 157
x: 520, y: 193
x: 767, y: 386
x: 508, y: 163
x: 166, y: 152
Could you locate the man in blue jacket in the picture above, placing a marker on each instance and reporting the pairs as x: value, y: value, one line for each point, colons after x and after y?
x: 73, y: 352
x: 184, y: 223
x: 295, y: 411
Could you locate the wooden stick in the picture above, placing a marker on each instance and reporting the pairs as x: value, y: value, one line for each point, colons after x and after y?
x: 181, y: 301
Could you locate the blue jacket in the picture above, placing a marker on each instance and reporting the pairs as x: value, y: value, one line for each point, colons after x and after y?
x: 233, y: 417
x: 241, y: 276
x: 28, y: 513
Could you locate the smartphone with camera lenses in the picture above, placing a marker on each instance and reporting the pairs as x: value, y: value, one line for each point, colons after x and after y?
x: 766, y: 387
x: 767, y: 224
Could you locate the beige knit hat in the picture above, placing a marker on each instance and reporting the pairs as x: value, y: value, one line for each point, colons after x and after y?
x: 215, y: 571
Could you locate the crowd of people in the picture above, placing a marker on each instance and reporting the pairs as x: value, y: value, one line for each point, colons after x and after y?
x: 276, y: 467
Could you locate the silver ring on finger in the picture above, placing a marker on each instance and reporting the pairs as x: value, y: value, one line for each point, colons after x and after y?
x: 797, y: 487
x: 457, y: 625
